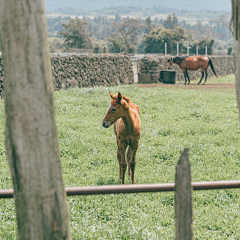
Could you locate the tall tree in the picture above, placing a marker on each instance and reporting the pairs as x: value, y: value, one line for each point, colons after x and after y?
x: 148, y: 25
x: 31, y: 135
x: 228, y: 25
x: 156, y: 39
x: 171, y: 21
x: 75, y: 34
x: 116, y: 43
x: 129, y: 29
x: 117, y: 18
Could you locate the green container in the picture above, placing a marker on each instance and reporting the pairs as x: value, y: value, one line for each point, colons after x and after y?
x: 168, y: 77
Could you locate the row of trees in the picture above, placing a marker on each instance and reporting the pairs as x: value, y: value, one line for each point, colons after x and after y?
x: 132, y: 36
x: 128, y: 35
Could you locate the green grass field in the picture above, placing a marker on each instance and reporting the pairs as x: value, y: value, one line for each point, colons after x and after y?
x: 203, y: 119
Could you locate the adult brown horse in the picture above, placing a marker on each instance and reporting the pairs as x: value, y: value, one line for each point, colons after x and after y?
x: 127, y: 127
x: 192, y: 63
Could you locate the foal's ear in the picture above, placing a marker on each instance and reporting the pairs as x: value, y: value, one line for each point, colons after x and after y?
x: 111, y: 95
x: 119, y: 97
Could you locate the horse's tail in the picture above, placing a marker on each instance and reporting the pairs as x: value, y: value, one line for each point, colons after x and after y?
x: 211, y: 65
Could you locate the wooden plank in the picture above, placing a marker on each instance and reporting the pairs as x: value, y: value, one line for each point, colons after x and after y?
x: 183, y: 199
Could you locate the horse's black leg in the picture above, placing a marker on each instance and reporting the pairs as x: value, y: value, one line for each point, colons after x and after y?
x: 188, y: 77
x: 201, y: 77
x: 185, y: 76
x: 205, y: 76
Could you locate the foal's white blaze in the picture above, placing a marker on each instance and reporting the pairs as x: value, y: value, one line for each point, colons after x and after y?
x: 109, y: 106
x: 105, y: 123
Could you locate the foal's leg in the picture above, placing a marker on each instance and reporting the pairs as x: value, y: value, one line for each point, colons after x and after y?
x: 123, y: 165
x: 133, y: 161
x: 201, y: 77
x: 119, y: 162
x: 129, y: 158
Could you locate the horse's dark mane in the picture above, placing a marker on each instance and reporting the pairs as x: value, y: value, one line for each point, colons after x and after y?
x: 179, y: 58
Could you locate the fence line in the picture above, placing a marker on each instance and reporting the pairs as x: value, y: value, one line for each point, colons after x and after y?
x: 177, y: 50
x: 182, y: 187
x: 136, y: 188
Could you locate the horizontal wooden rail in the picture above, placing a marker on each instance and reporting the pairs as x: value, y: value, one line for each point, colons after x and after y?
x: 137, y: 188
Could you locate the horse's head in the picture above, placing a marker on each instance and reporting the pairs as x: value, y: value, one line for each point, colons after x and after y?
x: 115, y: 110
x: 170, y: 62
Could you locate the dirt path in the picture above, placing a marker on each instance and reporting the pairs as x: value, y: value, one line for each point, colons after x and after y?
x: 190, y: 86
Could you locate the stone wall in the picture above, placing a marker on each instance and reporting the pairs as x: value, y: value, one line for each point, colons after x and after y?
x: 150, y: 68
x: 87, y: 71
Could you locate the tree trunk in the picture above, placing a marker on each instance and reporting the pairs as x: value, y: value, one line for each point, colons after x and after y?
x: 236, y: 30
x: 31, y: 136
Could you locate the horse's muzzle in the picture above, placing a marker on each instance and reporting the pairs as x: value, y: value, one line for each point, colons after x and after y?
x: 105, y: 124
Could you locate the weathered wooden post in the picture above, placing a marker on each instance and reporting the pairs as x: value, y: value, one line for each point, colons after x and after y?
x: 183, y: 199
x: 31, y: 132
x: 236, y: 28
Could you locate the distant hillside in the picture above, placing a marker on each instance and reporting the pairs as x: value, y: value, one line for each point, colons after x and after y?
x: 86, y: 5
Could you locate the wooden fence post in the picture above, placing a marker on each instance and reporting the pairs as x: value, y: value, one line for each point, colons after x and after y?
x: 183, y: 199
